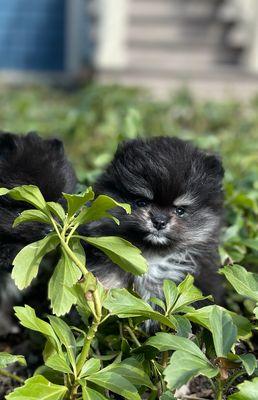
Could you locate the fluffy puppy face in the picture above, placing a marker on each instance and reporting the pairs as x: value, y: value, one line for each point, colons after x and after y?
x: 30, y: 160
x: 175, y: 191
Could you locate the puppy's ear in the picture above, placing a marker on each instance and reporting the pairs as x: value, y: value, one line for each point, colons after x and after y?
x: 214, y: 166
x: 57, y: 145
x: 7, y: 144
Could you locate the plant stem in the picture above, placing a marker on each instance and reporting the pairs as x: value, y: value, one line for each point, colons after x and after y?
x: 219, y: 393
x: 133, y: 337
x: 8, y: 374
x: 165, y: 359
x: 96, y: 299
x: 71, y: 232
x: 68, y: 251
x: 91, y: 333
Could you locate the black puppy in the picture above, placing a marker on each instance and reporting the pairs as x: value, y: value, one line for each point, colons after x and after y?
x: 175, y: 191
x: 26, y: 160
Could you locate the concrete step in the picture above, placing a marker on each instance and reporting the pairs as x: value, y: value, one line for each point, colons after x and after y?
x: 174, y: 33
x: 176, y: 57
x: 174, y: 8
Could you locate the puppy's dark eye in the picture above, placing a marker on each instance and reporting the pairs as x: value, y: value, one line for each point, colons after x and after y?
x: 180, y: 211
x: 141, y: 203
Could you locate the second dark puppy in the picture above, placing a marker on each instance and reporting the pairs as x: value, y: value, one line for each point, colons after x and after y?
x: 26, y: 160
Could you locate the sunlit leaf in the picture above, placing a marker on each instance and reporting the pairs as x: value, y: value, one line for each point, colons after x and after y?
x: 223, y: 330
x: 76, y: 201
x: 28, y: 318
x: 91, y: 366
x: 244, y: 282
x: 65, y: 275
x: 31, y: 215
x: 247, y: 391
x: 112, y: 381
x: 202, y: 317
x: 7, y: 359
x: 99, y: 209
x: 122, y: 303
x: 56, y: 209
x: 26, y: 263
x: 121, y: 252
x: 249, y: 362
x: 187, y: 294
x: 65, y: 336
x: 30, y: 194
x: 170, y: 292
x: 133, y: 371
x: 167, y: 341
x: 38, y: 388
x: 90, y: 394
x: 183, y: 366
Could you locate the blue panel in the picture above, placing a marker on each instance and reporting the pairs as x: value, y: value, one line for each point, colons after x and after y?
x: 32, y: 34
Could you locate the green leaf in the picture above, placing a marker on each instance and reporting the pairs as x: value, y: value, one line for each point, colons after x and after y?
x: 183, y: 326
x: 56, y: 209
x: 38, y: 388
x: 158, y: 302
x: 58, y: 362
x: 30, y: 194
x: 28, y: 318
x: 249, y: 362
x: 184, y: 366
x: 99, y: 209
x: 90, y: 394
x: 188, y: 294
x: 78, y: 250
x: 255, y: 311
x: 3, y: 191
x: 66, y: 337
x: 121, y: 252
x: 252, y: 243
x: 7, y: 359
x: 223, y: 330
x: 26, y: 263
x: 245, y: 283
x: 112, y: 381
x: 50, y: 374
x: 65, y: 275
x: 32, y: 215
x: 202, y: 317
x: 170, y: 292
x: 123, y: 304
x: 247, y: 391
x: 167, y: 396
x: 76, y: 201
x: 90, y: 367
x: 133, y: 371
x: 167, y: 341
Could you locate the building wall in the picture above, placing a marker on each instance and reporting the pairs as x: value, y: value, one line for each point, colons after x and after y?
x: 32, y: 35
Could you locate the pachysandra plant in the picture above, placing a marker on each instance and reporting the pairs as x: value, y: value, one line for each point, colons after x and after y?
x: 154, y: 367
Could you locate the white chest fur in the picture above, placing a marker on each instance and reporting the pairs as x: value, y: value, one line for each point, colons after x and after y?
x: 173, y: 266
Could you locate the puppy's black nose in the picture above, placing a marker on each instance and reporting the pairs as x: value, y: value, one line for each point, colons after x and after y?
x: 159, y: 222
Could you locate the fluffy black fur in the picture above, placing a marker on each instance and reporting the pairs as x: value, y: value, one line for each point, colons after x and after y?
x: 175, y: 191
x: 26, y: 160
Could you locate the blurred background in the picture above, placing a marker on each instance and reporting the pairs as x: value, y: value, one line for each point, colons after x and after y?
x: 95, y: 72
x: 209, y: 45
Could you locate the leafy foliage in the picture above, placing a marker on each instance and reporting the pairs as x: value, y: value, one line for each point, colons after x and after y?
x: 109, y: 352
